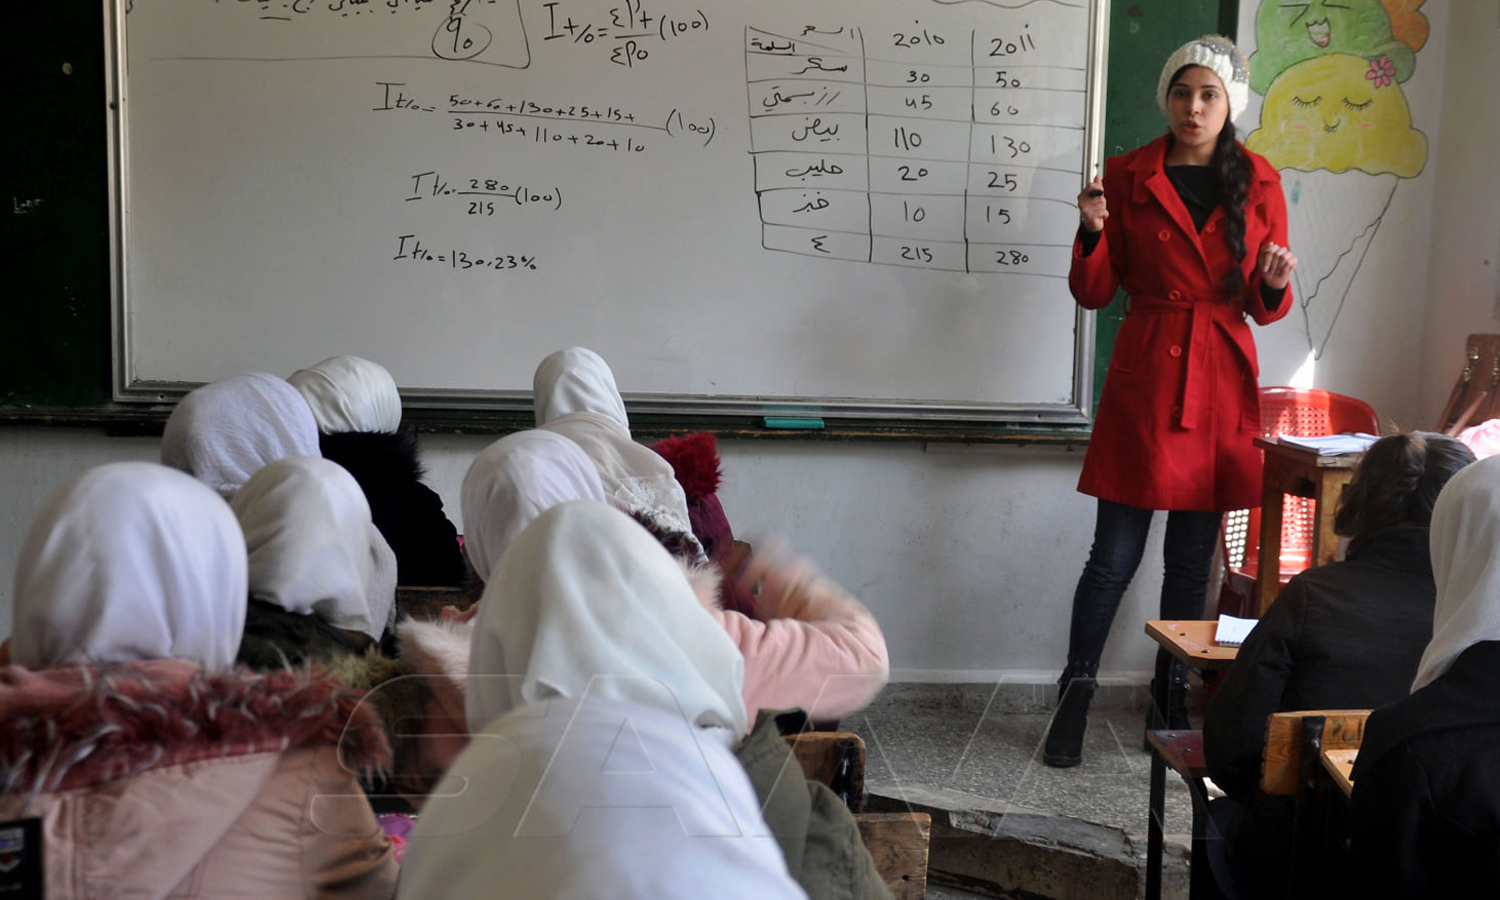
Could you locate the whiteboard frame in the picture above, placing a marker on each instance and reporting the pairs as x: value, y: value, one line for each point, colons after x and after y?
x: 130, y: 389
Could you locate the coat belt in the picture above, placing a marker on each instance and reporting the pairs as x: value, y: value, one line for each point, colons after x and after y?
x: 1202, y: 315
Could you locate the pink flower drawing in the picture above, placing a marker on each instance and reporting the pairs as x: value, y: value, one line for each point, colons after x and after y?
x: 1382, y: 72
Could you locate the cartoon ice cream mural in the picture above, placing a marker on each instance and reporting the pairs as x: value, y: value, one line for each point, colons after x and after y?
x: 1339, y: 112
x: 1287, y: 33
x: 1337, y: 124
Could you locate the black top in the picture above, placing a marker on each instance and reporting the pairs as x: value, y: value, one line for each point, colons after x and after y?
x: 1425, y: 816
x: 408, y: 513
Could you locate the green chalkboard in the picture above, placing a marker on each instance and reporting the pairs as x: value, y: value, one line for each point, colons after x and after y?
x: 55, y: 319
x: 1142, y: 34
x: 55, y: 330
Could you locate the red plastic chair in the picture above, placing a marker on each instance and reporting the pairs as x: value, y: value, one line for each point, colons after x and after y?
x: 1303, y: 412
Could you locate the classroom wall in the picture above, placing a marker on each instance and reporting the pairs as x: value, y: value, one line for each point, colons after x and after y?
x: 969, y: 556
x: 1463, y: 295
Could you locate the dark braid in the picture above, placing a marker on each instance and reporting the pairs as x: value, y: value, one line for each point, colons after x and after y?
x: 1397, y: 482
x: 1233, y: 169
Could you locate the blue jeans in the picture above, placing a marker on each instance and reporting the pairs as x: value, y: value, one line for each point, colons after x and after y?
x: 1119, y: 542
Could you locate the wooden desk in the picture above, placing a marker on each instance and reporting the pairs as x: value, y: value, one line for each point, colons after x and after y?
x: 1192, y: 642
x: 1339, y: 764
x: 1300, y: 473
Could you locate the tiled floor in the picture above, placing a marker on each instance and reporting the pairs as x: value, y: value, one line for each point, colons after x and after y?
x: 980, y: 745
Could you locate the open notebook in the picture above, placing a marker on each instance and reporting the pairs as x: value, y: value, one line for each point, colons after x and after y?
x: 1232, y: 630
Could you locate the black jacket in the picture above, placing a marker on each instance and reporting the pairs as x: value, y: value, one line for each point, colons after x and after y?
x: 1426, y: 803
x: 408, y: 513
x: 1347, y: 635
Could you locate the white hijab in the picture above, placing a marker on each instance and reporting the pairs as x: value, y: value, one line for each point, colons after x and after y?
x: 594, y: 801
x: 347, y: 393
x: 313, y: 549
x: 576, y: 380
x: 130, y: 561
x: 514, y: 480
x: 222, y: 433
x: 586, y: 600
x: 1465, y: 543
x: 575, y: 396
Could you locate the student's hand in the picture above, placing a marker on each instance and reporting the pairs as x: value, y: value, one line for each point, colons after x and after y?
x: 1091, y: 208
x: 775, y: 573
x: 1276, y: 265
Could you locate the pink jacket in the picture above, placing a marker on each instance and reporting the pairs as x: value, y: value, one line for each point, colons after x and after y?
x: 818, y: 649
x: 158, y: 779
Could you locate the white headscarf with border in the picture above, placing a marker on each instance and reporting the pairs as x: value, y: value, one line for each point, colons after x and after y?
x: 575, y: 396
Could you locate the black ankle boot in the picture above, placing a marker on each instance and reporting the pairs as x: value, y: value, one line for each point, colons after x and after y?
x: 1064, y: 746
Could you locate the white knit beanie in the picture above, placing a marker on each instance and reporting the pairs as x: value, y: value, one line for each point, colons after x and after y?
x: 1219, y: 55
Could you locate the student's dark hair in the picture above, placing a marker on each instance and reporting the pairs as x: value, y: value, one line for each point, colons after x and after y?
x: 1232, y: 169
x: 1397, y: 482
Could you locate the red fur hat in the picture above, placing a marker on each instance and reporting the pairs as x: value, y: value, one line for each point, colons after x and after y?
x: 695, y: 462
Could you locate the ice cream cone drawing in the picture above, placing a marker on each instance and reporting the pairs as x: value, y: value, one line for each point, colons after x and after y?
x: 1287, y: 33
x: 1339, y: 128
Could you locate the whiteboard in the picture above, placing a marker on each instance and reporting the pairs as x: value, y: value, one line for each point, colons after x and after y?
x: 860, y: 208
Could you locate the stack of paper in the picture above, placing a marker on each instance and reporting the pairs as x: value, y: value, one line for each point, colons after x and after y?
x: 1232, y: 630
x: 1331, y: 445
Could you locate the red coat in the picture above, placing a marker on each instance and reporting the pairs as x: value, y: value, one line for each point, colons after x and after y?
x: 1180, y: 404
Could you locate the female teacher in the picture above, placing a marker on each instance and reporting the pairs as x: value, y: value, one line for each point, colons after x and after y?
x: 1193, y: 227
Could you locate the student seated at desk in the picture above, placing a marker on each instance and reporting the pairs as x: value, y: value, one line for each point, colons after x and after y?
x: 1347, y: 635
x: 1426, y: 801
x: 224, y: 432
x: 575, y: 396
x: 819, y: 649
x: 588, y: 627
x: 358, y: 411
x: 322, y: 579
x: 157, y: 768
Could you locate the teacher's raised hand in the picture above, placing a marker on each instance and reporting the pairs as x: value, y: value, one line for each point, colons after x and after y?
x: 1276, y: 265
x: 1091, y: 206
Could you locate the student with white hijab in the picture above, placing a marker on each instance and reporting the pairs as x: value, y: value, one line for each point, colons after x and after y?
x: 223, y: 432
x: 130, y: 561
x: 155, y: 768
x: 1426, y: 804
x: 322, y: 579
x: 358, y: 411
x: 819, y: 649
x: 575, y: 395
x: 604, y: 703
x: 514, y: 480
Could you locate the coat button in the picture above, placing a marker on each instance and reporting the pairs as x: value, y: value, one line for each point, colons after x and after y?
x: 1174, y: 295
x: 1164, y: 234
x: 1175, y: 351
x: 1210, y: 228
x: 1176, y: 410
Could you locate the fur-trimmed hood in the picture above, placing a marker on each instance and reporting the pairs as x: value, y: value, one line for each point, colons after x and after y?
x: 62, y: 729
x: 375, y: 458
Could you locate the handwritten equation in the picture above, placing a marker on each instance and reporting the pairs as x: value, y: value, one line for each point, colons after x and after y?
x: 481, y: 194
x: 409, y: 247
x: 624, y: 32
x: 927, y: 146
x: 544, y: 122
x: 490, y: 32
